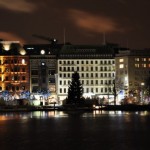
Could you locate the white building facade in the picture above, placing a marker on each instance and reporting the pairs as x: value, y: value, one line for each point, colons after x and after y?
x: 95, y: 65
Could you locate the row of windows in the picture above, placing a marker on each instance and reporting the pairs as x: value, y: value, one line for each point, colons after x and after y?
x: 14, y: 69
x: 142, y: 65
x: 36, y: 72
x: 13, y: 61
x: 36, y: 80
x: 14, y: 88
x: 142, y: 59
x: 121, y: 66
x: 88, y: 75
x: 13, y: 78
x: 86, y: 68
x: 136, y: 59
x: 87, y: 90
x: 88, y: 62
x: 88, y: 82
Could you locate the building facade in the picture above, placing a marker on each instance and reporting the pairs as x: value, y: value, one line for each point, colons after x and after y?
x: 95, y: 65
x: 132, y: 71
x: 14, y: 69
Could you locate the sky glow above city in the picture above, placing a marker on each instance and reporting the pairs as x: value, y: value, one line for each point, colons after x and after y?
x: 125, y: 22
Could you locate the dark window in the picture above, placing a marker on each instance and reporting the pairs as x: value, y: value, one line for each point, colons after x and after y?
x: 34, y: 80
x: 34, y: 72
x: 51, y: 80
x: 43, y: 80
x: 23, y: 78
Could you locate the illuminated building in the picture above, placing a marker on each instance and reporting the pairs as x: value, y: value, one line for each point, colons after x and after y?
x: 95, y: 65
x: 14, y: 68
x: 132, y: 70
x: 43, y: 64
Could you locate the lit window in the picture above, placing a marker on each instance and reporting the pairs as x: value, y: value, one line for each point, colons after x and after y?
x: 121, y: 66
x: 144, y: 65
x: 143, y: 59
x: 137, y: 65
x: 121, y: 60
x: 23, y: 61
x: 137, y: 59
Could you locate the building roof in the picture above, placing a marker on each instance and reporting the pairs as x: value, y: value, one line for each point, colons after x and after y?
x: 35, y: 49
x: 87, y: 51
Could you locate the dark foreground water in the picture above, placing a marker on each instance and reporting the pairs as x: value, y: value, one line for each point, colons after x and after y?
x: 75, y: 131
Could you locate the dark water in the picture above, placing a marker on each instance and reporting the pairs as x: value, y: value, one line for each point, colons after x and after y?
x: 75, y: 131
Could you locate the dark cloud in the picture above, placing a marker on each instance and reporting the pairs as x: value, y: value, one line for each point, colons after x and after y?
x: 95, y: 23
x: 18, y: 5
x: 84, y: 20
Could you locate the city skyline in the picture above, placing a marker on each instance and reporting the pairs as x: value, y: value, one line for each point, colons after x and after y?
x: 77, y: 22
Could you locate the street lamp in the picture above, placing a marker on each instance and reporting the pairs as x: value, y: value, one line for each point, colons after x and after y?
x: 142, y: 85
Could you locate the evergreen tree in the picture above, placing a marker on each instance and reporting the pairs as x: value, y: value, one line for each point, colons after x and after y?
x: 75, y: 90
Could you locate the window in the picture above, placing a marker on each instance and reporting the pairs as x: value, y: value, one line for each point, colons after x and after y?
x: 51, y: 72
x: 96, y: 82
x: 96, y: 90
x: 87, y: 75
x: 23, y: 61
x: 87, y: 82
x: 23, y: 78
x: 137, y: 59
x: 60, y: 82
x: 143, y: 59
x: 60, y: 69
x: 121, y: 66
x: 96, y: 75
x: 34, y: 80
x: 137, y: 65
x: 121, y: 60
x: 60, y: 90
x: 23, y: 70
x: 34, y: 72
x: 144, y: 65
x: 96, y: 68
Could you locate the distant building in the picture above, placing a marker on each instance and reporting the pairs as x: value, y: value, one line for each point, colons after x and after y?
x: 14, y: 68
x: 132, y: 70
x: 95, y: 65
x: 43, y: 66
x: 46, y: 70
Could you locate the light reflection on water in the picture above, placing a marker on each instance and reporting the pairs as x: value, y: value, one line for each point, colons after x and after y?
x: 106, y: 130
x: 61, y: 114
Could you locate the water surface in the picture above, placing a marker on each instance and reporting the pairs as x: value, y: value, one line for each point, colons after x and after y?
x: 40, y: 130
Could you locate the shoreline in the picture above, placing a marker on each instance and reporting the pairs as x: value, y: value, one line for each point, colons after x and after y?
x: 83, y: 109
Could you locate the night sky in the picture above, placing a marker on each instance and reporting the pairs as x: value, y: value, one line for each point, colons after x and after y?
x: 125, y: 22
